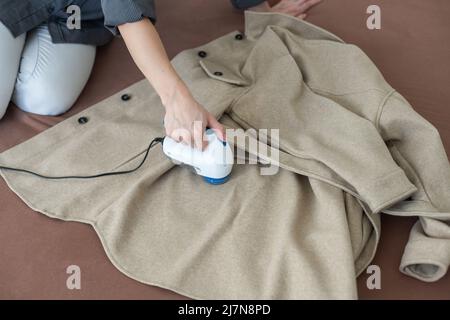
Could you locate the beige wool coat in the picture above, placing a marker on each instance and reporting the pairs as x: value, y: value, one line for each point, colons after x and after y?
x: 351, y: 148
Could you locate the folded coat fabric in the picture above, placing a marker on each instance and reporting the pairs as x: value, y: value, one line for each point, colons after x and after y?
x: 351, y: 148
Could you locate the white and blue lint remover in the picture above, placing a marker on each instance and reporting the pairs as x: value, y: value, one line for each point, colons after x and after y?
x: 214, y: 163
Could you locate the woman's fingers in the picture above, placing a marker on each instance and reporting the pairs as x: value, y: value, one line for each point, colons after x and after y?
x: 195, y: 136
x: 305, y: 5
x: 217, y: 127
x: 198, y: 131
x: 297, y: 8
x: 182, y: 135
x: 186, y: 123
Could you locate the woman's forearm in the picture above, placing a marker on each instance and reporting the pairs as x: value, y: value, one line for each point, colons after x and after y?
x: 149, y: 54
x: 185, y: 119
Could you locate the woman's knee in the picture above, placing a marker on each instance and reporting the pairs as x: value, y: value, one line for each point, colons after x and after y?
x: 50, y: 84
x: 35, y: 99
x: 10, y: 52
x: 3, y: 107
x: 51, y: 93
x: 5, y: 96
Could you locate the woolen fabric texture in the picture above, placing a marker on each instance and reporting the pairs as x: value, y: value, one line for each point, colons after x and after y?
x: 351, y: 149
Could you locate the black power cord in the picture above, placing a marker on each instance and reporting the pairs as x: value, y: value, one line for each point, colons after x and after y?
x: 151, y: 145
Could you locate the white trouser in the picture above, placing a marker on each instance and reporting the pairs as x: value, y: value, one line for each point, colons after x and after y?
x: 39, y: 76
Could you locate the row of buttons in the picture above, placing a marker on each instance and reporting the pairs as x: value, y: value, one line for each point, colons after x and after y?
x: 202, y: 54
x: 126, y: 97
x: 84, y: 120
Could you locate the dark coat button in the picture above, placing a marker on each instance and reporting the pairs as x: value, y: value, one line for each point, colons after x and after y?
x: 239, y: 37
x: 83, y: 120
x: 125, y: 97
x: 218, y: 73
x: 202, y: 54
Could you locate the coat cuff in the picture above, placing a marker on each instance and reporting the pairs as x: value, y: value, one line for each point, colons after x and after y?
x: 385, y: 192
x: 118, y: 12
x: 425, y: 258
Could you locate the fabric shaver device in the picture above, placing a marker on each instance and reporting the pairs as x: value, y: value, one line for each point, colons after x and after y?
x: 214, y: 163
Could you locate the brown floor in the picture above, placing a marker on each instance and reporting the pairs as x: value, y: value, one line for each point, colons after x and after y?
x: 412, y: 50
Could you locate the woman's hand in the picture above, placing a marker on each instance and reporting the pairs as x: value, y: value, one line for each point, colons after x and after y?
x: 296, y: 8
x: 186, y: 120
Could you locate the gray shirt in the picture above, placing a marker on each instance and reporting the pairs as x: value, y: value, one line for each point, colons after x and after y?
x: 99, y: 18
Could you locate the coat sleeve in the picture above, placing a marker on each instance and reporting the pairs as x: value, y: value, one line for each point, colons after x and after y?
x: 245, y: 4
x: 118, y: 12
x: 417, y: 147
